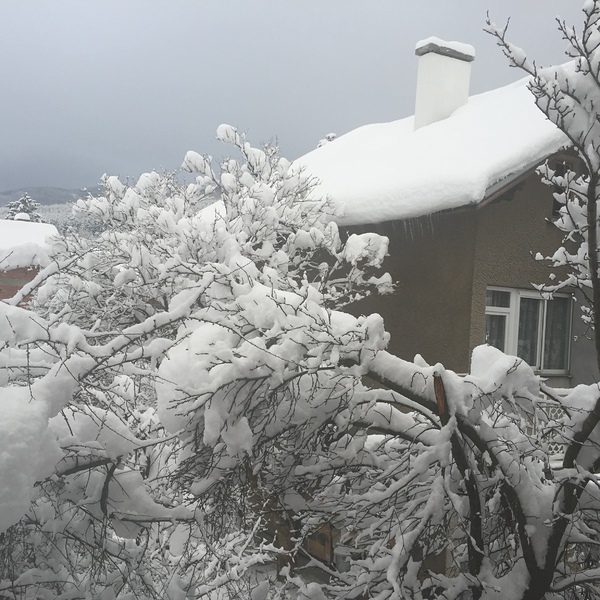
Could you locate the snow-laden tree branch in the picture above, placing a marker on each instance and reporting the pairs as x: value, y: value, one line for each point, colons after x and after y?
x: 188, y: 411
x: 87, y: 468
x: 569, y: 96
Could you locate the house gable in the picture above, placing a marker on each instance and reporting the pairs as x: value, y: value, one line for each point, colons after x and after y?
x: 444, y: 263
x: 465, y: 212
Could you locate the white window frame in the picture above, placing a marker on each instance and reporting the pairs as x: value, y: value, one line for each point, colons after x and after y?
x: 511, y: 324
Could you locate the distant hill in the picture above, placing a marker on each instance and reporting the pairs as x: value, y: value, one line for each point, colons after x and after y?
x: 47, y: 195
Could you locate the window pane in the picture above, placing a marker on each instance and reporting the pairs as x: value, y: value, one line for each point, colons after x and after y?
x: 527, y: 344
x: 497, y: 298
x: 557, y: 333
x: 495, y: 331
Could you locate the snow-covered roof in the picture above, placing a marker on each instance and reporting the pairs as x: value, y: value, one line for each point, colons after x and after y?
x: 388, y: 171
x: 24, y: 244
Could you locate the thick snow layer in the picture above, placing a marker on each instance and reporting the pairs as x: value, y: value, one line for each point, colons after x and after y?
x: 24, y: 244
x: 388, y: 171
x: 27, y: 452
x: 459, y: 47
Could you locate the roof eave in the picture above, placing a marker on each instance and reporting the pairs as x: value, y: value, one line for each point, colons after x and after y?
x: 506, y: 183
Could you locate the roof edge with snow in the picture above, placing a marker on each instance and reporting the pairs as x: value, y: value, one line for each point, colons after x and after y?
x: 388, y: 171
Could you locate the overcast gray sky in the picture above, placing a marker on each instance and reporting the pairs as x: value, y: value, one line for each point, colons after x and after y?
x: 127, y: 86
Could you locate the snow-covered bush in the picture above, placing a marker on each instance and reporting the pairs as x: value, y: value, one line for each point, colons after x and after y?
x: 328, y: 138
x: 89, y: 497
x: 61, y: 216
x: 188, y: 403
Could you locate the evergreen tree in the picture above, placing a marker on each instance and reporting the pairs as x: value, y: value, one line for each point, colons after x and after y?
x: 26, y: 205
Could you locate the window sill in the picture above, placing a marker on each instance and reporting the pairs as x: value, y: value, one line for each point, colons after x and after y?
x: 555, y: 373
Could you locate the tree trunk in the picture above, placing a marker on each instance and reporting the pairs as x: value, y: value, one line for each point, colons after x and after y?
x: 592, y: 222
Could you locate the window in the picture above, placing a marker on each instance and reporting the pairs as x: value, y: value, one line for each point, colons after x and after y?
x: 522, y: 323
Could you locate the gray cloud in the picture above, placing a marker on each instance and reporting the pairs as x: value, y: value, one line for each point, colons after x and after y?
x: 124, y: 87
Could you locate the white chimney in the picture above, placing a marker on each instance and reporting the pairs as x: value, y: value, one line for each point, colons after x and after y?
x: 442, y: 79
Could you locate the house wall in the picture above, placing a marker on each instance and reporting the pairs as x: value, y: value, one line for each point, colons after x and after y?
x: 442, y: 265
x: 12, y: 281
x: 584, y: 367
x: 510, y: 231
x: 431, y: 261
